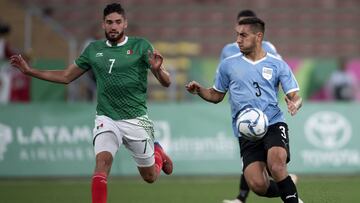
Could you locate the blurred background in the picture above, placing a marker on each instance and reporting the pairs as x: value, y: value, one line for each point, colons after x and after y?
x: 46, y: 129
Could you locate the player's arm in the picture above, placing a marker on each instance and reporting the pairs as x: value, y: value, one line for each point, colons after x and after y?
x: 64, y: 76
x: 208, y: 94
x: 161, y: 74
x: 294, y: 102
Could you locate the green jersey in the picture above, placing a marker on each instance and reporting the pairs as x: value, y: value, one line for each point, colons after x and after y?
x: 121, y: 76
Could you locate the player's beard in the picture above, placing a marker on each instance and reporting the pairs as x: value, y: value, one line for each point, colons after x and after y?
x: 114, y: 39
x: 248, y: 50
x: 245, y: 52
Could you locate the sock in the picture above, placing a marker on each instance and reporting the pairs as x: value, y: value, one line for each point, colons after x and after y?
x: 158, y: 159
x: 288, y: 191
x: 273, y: 190
x: 244, y: 189
x: 99, y: 187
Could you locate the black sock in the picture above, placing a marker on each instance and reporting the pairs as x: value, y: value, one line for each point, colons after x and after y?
x: 273, y: 190
x: 288, y: 191
x: 244, y: 189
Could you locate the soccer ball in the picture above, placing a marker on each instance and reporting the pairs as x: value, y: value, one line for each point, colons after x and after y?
x: 252, y: 124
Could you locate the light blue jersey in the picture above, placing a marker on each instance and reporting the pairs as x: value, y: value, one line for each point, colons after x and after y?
x: 233, y: 48
x: 255, y: 84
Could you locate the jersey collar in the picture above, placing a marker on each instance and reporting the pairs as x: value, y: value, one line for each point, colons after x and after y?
x: 119, y: 44
x: 254, y: 62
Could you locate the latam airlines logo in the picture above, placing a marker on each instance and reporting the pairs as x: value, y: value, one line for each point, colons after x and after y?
x: 5, y: 139
x: 328, y: 130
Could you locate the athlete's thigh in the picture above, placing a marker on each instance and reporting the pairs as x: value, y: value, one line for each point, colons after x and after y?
x: 106, y: 142
x: 256, y: 175
x: 252, y: 151
x: 106, y: 137
x: 278, y: 136
x: 139, y: 140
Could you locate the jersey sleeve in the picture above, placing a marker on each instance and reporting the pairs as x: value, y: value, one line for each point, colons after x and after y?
x: 221, y: 79
x: 229, y: 50
x: 223, y: 53
x: 147, y: 48
x: 270, y: 48
x: 287, y: 79
x: 83, y: 61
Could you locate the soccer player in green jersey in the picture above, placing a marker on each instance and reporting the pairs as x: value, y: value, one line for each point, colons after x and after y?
x: 120, y: 65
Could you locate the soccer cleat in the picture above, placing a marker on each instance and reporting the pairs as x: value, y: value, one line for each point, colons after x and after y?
x: 167, y: 167
x: 232, y: 201
x: 299, y: 200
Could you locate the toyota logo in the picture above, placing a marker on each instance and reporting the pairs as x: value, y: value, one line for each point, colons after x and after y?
x: 328, y: 130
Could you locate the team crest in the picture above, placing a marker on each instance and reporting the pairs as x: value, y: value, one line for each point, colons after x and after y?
x: 267, y: 73
x: 129, y: 52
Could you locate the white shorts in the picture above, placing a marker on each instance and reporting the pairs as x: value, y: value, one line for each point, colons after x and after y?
x: 137, y: 135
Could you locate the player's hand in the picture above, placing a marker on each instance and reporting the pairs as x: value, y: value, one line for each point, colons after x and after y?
x: 193, y: 87
x: 155, y: 60
x: 18, y: 62
x: 292, y: 107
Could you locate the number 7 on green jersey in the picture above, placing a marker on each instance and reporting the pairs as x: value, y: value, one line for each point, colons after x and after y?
x: 112, y: 64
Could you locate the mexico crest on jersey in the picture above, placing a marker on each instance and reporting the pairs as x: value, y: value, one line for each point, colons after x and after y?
x: 267, y: 73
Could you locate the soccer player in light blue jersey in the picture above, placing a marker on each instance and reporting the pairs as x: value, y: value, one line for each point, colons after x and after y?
x: 230, y: 50
x: 253, y: 78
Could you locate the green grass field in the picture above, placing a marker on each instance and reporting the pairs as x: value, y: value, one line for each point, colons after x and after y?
x: 337, y: 189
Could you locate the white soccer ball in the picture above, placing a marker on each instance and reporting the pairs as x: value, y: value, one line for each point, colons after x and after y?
x: 252, y: 124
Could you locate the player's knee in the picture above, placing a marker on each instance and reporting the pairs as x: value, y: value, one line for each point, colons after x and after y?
x: 103, y: 161
x: 278, y: 171
x: 258, y: 185
x: 149, y: 178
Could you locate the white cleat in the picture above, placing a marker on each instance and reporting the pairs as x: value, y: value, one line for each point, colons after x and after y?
x: 234, y: 201
x: 300, y: 201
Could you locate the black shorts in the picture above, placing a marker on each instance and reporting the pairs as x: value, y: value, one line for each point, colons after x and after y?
x: 277, y: 135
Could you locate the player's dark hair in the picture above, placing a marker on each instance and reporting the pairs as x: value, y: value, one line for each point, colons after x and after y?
x: 114, y: 8
x: 257, y: 25
x: 246, y: 13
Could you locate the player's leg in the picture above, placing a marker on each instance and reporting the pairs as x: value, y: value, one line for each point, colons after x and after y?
x: 278, y: 169
x: 254, y: 165
x: 167, y: 167
x: 256, y: 177
x: 105, y: 146
x: 259, y: 180
x: 255, y: 169
x: 277, y: 144
x: 106, y: 143
x: 148, y: 160
x: 243, y: 189
x: 150, y: 157
x: 161, y: 162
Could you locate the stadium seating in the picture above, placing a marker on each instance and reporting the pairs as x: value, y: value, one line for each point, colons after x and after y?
x: 210, y: 23
x: 298, y: 29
